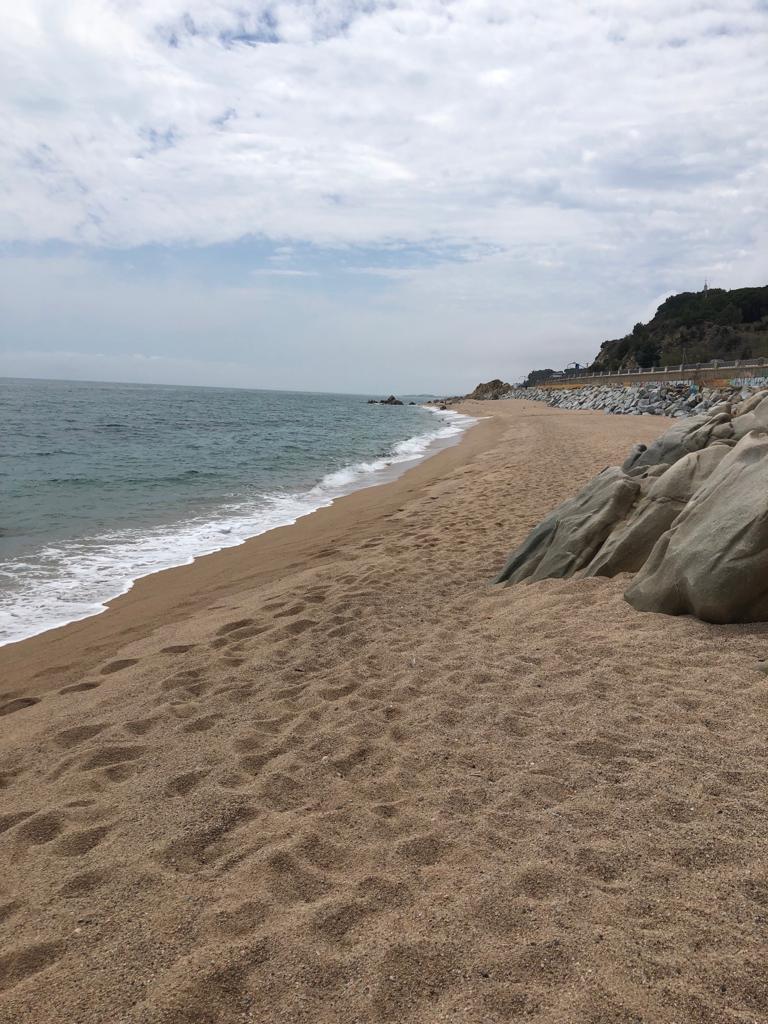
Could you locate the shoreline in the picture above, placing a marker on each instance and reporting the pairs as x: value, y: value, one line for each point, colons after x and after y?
x: 175, y: 590
x: 334, y: 485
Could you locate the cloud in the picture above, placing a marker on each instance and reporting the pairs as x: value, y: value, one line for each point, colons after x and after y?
x: 561, y: 148
x: 200, y: 122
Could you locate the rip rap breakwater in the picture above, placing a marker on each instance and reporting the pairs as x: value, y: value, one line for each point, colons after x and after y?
x: 674, y: 398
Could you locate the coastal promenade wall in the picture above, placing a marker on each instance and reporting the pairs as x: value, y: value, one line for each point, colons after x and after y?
x: 711, y: 376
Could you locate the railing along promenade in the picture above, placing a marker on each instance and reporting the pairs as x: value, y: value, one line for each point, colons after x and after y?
x: 714, y: 373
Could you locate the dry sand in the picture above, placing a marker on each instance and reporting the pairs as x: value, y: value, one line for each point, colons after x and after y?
x: 333, y: 776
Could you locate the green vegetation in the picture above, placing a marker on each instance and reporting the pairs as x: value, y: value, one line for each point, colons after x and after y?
x: 695, y: 327
x: 537, y: 376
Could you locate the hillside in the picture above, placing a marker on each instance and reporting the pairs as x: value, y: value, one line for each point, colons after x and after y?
x: 694, y: 327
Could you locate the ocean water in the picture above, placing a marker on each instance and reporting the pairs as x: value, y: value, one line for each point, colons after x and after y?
x: 101, y: 484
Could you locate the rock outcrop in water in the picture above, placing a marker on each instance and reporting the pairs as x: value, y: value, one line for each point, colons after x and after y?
x: 688, y: 515
x: 385, y: 401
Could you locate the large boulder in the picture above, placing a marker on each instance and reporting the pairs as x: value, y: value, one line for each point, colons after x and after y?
x: 750, y: 403
x: 713, y: 561
x: 689, y: 435
x: 755, y: 417
x: 630, y: 543
x: 567, y: 540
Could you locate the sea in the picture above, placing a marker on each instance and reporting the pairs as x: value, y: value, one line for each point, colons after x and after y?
x: 101, y: 484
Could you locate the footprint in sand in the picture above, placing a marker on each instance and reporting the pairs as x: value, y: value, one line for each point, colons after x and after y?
x: 254, y: 763
x: 9, y: 909
x: 287, y: 612
x: 333, y: 922
x: 118, y: 666
x: 297, y: 627
x: 140, y: 726
x: 80, y: 688
x: 9, y: 820
x: 239, y: 920
x: 332, y: 693
x: 79, y: 734
x: 415, y: 972
x: 538, y: 881
x: 76, y: 844
x: 383, y: 892
x: 202, y: 724
x: 83, y: 884
x: 281, y: 792
x: 246, y: 633
x: 178, y: 679
x: 194, y: 851
x: 107, y: 756
x: 185, y: 783
x: 18, y: 705
x: 40, y: 829
x: 423, y: 850
x: 23, y: 961
x: 290, y: 882
x: 230, y: 627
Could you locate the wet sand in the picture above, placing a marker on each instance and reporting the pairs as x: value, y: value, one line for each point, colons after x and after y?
x: 332, y: 776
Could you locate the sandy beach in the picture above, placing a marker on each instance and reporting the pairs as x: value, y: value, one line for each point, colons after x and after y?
x: 333, y: 776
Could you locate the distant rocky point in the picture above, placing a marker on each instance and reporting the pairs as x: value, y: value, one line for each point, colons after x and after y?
x: 491, y: 391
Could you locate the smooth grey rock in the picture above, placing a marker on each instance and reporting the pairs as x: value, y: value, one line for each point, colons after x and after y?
x: 647, y: 472
x: 721, y: 407
x: 676, y: 442
x: 567, y: 540
x: 722, y: 431
x: 750, y: 403
x: 755, y: 419
x: 634, y: 455
x: 629, y: 545
x: 713, y: 561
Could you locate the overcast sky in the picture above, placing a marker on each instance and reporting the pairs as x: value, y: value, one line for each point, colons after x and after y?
x: 354, y: 195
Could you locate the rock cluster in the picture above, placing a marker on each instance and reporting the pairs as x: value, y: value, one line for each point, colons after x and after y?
x: 674, y: 398
x: 492, y: 390
x: 688, y: 515
x: 385, y: 401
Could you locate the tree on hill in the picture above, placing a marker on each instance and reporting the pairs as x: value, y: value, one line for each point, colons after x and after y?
x: 537, y: 376
x: 715, y: 323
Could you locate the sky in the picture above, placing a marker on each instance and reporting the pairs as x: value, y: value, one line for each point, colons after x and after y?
x: 365, y: 196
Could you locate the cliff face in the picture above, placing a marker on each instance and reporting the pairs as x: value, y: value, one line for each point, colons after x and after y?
x: 694, y: 327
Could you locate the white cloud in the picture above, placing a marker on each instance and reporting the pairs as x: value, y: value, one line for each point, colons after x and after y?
x: 181, y: 122
x: 575, y: 154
